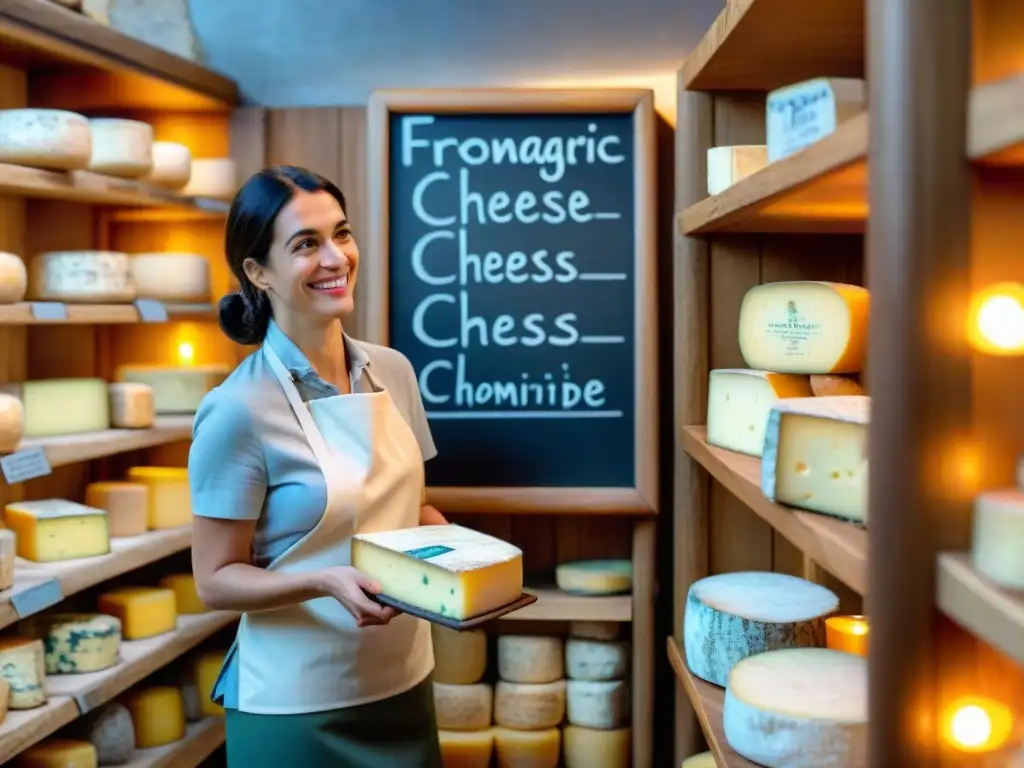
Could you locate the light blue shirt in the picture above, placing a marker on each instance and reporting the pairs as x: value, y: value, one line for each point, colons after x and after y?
x: 249, y: 459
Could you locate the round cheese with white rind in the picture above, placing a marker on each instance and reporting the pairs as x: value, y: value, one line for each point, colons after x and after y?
x: 45, y: 138
x: 463, y: 707
x: 215, y: 177
x: 529, y: 706
x: 88, y: 277
x: 731, y: 616
x: 602, y: 704
x: 799, y: 708
x: 530, y: 658
x: 172, y: 165
x: 122, y: 148
x: 596, y: 659
x: 595, y: 577
x: 13, y: 278
x: 172, y: 277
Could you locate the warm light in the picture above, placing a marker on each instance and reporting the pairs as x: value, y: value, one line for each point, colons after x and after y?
x: 977, y: 725
x: 996, y: 319
x: 186, y: 353
x: 848, y: 634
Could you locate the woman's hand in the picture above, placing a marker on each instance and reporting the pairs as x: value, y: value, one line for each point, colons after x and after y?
x: 348, y: 586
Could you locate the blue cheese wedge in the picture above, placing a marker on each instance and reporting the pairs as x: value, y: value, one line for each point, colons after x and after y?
x: 22, y: 666
x: 455, y: 572
x: 78, y: 642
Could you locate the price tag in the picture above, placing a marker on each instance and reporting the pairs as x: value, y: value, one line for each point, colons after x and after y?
x: 209, y: 204
x: 24, y: 465
x: 36, y: 598
x: 49, y: 310
x: 151, y: 310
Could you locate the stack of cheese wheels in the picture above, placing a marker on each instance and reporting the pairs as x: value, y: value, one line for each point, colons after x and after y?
x: 529, y: 701
x: 597, y: 664
x: 462, y: 702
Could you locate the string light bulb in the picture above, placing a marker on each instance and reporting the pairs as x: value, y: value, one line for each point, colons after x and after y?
x: 186, y: 353
x: 977, y: 724
x: 996, y: 319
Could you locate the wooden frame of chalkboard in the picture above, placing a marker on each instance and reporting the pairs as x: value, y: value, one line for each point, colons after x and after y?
x: 623, y: 485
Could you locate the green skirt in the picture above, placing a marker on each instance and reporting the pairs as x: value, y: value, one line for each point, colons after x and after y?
x: 399, y: 732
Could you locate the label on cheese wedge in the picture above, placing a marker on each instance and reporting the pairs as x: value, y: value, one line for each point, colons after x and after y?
x: 997, y: 548
x: 801, y: 708
x: 170, y: 499
x: 186, y: 598
x: 172, y: 165
x: 460, y: 658
x: 143, y: 611
x: 23, y: 666
x: 172, y: 277
x: 62, y: 406
x: 77, y: 642
x: 529, y: 706
x: 59, y: 753
x: 731, y: 616
x: 121, y: 147
x: 13, y: 278
x: 206, y: 671
x: 12, y: 422
x: 530, y: 749
x: 466, y: 749
x: 816, y: 455
x: 110, y: 730
x: 593, y: 748
x: 54, y: 530
x: 804, y: 113
x: 158, y: 715
x: 530, y: 658
x: 739, y: 401
x: 463, y: 707
x: 804, y: 327
x: 596, y: 659
x: 828, y: 385
x: 131, y: 405
x: 449, y: 570
x: 595, y: 577
x: 87, y: 277
x: 176, y: 390
x: 45, y: 138
x: 8, y: 551
x: 728, y: 165
x: 703, y: 760
x: 127, y: 505
x: 599, y: 704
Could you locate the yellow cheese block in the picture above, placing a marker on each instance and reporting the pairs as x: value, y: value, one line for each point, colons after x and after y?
x: 5, y: 699
x: 828, y: 385
x: 592, y: 748
x: 126, y: 504
x: 528, y: 749
x: 170, y: 503
x: 58, y: 753
x: 62, y: 406
x: 77, y: 642
x: 158, y: 714
x: 185, y: 595
x: 804, y: 327
x: 739, y: 401
x: 460, y: 658
x: 703, y: 760
x: 23, y: 666
x: 53, y: 530
x: 453, y: 571
x: 466, y: 749
x: 143, y: 611
x: 595, y: 577
x: 207, y: 670
x: 8, y: 552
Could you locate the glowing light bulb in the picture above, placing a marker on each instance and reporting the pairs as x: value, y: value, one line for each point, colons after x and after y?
x: 977, y: 724
x: 996, y: 322
x: 971, y: 726
x: 186, y: 353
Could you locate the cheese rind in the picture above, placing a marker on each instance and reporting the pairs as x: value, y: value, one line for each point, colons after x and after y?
x: 86, y: 277
x: 176, y: 390
x: 131, y: 405
x: 596, y: 659
x: 602, y: 704
x: 23, y: 666
x: 58, y: 753
x: 460, y: 658
x: 801, y: 114
x: 158, y: 715
x: 77, y: 642
x: 739, y: 401
x: 62, y: 406
x: 595, y: 577
x: 827, y: 385
x: 45, y: 138
x: 171, y: 277
x: 212, y: 177
x: 998, y: 540
x: 127, y: 505
x: 121, y: 147
x: 186, y: 598
x: 527, y: 749
x: 731, y: 616
x: 804, y: 327
x: 143, y: 611
x: 593, y: 748
x: 172, y: 165
x: 170, y: 499
x: 12, y: 422
x: 530, y: 658
x: 8, y: 553
x: 13, y: 278
x: 728, y: 165
x: 110, y: 731
x: 54, y: 530
x: 799, y: 708
x: 466, y: 749
x: 463, y: 707
x: 816, y: 455
x: 449, y: 570
x: 527, y: 706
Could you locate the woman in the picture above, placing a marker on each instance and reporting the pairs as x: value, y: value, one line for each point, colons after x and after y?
x: 312, y: 438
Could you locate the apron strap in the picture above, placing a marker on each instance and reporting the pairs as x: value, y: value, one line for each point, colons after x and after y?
x: 316, y: 440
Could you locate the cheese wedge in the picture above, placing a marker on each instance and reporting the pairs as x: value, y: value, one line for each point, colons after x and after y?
x: 54, y: 530
x: 739, y: 401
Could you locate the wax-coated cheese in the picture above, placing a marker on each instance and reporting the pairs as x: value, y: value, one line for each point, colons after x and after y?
x: 170, y: 501
x: 703, y: 760
x: 799, y: 708
x: 158, y: 715
x: 463, y: 707
x: 602, y: 704
x: 595, y: 577
x: 212, y: 177
x: 12, y: 422
x: 77, y: 642
x: 466, y: 749
x: 816, y: 455
x: 84, y: 277
x: 529, y: 706
x: 176, y: 390
x: 45, y: 138
x: 530, y: 658
x: 207, y: 669
x: 804, y: 327
x: 172, y: 277
x: 110, y: 730
x: 13, y: 278
x: 143, y: 611
x: 172, y: 165
x: 828, y: 385
x: 527, y: 749
x: 127, y: 505
x: 803, y: 113
x: 8, y: 552
x: 596, y: 659
x: 593, y: 748
x: 730, y: 616
x: 997, y: 548
x: 460, y: 658
x: 62, y: 406
x: 131, y: 405
x: 728, y: 165
x: 58, y: 753
x: 23, y: 666
x: 53, y: 530
x: 739, y: 401
x: 453, y: 571
x: 186, y: 598
x: 594, y: 630
x: 121, y: 147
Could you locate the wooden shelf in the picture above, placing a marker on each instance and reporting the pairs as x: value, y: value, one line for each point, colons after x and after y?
x: 199, y: 743
x: 556, y: 605
x: 74, y: 695
x: 996, y: 128
x: 987, y: 610
x: 707, y: 700
x: 55, y: 581
x: 71, y: 449
x: 101, y: 314
x: 838, y: 547
x: 764, y: 44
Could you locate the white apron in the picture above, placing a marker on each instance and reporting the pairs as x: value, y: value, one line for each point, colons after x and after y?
x: 311, y: 657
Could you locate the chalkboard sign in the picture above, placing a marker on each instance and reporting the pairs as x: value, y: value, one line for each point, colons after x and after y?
x: 514, y: 268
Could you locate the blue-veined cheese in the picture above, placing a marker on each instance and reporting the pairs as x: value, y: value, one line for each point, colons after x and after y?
x: 23, y: 666
x: 77, y: 642
x: 739, y: 401
x: 587, y: 659
x: 601, y: 704
x: 54, y: 530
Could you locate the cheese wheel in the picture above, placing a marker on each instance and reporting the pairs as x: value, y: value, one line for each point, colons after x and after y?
x: 594, y: 630
x: 731, y: 616
x: 595, y: 577
x: 132, y: 405
x: 77, y: 642
x: 592, y: 748
x: 998, y: 541
x: 121, y: 147
x: 172, y: 165
x: 602, y: 704
x: 207, y: 669
x: 804, y: 327
x: 799, y: 708
x: 527, y: 749
x: 703, y: 760
x: 158, y: 715
x: 143, y: 611
x: 529, y: 707
x: 460, y: 658
x: 171, y: 277
x: 463, y: 707
x: 596, y: 659
x: 110, y: 730
x: 12, y: 422
x: 186, y: 598
x: 466, y: 749
x: 45, y: 138
x: 827, y: 385
x: 5, y: 699
x: 8, y: 553
x: 530, y: 658
x: 212, y: 177
x: 739, y: 401
x: 58, y: 753
x: 87, y: 277
x: 126, y: 504
x: 23, y: 666
x: 13, y: 278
